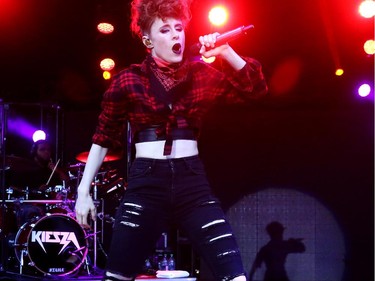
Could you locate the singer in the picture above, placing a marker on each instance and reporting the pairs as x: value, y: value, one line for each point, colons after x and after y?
x: 164, y: 99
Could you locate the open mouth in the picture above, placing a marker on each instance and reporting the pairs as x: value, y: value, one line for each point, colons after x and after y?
x: 177, y: 48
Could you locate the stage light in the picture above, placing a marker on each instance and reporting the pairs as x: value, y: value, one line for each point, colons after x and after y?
x: 21, y: 127
x: 367, y: 9
x: 107, y: 75
x: 105, y: 28
x: 339, y: 72
x: 364, y: 90
x: 39, y: 135
x: 107, y: 64
x: 218, y: 15
x: 369, y: 47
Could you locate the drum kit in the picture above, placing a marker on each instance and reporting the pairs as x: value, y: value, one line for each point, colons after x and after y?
x: 51, y: 242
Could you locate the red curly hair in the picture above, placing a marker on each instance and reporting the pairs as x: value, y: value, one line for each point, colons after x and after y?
x: 144, y: 12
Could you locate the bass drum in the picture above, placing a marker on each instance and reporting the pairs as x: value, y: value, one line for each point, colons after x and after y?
x: 55, y: 245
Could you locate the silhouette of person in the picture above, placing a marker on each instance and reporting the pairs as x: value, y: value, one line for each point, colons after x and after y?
x: 275, y: 252
x: 38, y: 174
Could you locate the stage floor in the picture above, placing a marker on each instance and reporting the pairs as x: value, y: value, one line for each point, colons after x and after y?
x: 23, y: 277
x: 4, y: 276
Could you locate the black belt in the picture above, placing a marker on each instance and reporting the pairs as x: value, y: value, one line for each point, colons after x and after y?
x: 149, y: 134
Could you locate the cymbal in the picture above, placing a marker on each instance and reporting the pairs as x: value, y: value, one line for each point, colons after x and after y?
x: 19, y: 164
x: 109, y: 157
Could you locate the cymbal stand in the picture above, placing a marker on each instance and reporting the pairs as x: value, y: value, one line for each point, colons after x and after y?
x: 3, y: 132
x: 95, y: 195
x: 95, y: 223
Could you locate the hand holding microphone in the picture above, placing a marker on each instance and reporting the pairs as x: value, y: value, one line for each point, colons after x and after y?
x: 216, y: 39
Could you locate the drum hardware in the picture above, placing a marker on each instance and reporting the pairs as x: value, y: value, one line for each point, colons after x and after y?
x: 95, y: 231
x: 9, y: 191
x: 95, y: 224
x: 27, y: 193
x: 57, y: 192
x: 92, y: 234
x: 56, y: 189
x: 77, y: 166
x: 47, y: 201
x: 89, y: 263
x: 106, y: 218
x: 75, y: 172
x: 60, y: 208
x: 80, y: 249
x: 23, y: 253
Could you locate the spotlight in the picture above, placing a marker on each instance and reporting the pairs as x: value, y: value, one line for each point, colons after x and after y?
x: 106, y: 75
x: 39, y: 135
x: 339, y: 72
x: 367, y: 9
x: 218, y: 15
x: 369, y: 47
x: 364, y: 90
x: 107, y: 64
x: 105, y: 28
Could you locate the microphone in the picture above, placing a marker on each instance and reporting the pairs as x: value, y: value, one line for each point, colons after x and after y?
x: 224, y: 37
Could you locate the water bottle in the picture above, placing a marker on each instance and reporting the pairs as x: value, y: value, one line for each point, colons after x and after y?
x: 147, y: 265
x: 171, y: 263
x: 164, y: 263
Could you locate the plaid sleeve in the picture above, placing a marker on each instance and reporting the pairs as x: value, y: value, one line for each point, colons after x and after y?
x: 249, y: 82
x: 110, y: 129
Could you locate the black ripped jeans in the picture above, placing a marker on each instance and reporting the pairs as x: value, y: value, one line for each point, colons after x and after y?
x: 175, y: 191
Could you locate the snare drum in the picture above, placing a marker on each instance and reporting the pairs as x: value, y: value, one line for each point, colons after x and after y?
x: 55, y: 245
x: 66, y: 208
x: 58, y: 192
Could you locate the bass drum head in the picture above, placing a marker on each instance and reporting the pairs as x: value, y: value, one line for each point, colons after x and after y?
x: 57, y: 245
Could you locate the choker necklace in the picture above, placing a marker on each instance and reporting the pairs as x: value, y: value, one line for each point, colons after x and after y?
x: 169, y: 76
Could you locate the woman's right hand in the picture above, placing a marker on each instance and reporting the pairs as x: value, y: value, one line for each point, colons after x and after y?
x: 209, y: 49
x: 84, y: 207
x: 84, y: 203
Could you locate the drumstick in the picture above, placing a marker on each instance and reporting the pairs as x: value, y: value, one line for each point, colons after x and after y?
x: 54, y: 168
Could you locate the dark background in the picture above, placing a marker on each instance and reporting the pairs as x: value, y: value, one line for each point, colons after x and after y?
x: 311, y: 133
